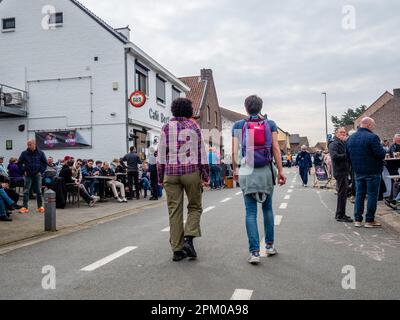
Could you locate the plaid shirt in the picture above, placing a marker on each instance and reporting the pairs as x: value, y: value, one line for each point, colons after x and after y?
x: 181, y: 150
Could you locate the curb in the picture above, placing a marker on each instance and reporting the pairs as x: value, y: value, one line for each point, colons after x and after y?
x: 45, y: 236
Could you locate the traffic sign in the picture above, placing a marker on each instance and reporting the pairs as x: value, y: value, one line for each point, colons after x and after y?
x: 137, y: 99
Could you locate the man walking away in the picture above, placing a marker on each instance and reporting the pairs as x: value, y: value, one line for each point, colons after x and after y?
x: 256, y: 140
x: 215, y: 170
x: 133, y: 161
x: 366, y: 155
x: 182, y: 171
x: 341, y: 170
x: 33, y: 164
x: 304, y: 162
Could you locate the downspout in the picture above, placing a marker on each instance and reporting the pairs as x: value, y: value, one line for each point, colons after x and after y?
x: 127, y: 50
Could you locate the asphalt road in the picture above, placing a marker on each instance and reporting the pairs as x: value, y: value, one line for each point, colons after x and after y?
x: 313, y: 250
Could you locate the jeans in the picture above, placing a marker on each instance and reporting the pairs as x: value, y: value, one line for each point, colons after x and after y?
x: 251, y: 222
x: 398, y: 197
x: 304, y: 175
x: 91, y: 187
x: 4, y: 200
x: 366, y: 185
x: 215, y: 176
x: 36, y: 182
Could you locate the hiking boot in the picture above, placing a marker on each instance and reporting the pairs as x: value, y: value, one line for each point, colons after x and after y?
x: 358, y: 224
x: 188, y: 248
x: 373, y: 224
x: 23, y: 210
x: 179, y: 255
x: 254, y: 258
x: 5, y: 219
x: 344, y: 219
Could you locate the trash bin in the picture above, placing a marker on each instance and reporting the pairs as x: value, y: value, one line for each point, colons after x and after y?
x: 229, y: 182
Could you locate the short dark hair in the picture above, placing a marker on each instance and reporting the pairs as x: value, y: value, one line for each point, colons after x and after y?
x: 90, y: 160
x: 132, y: 149
x: 98, y: 161
x: 253, y: 105
x: 182, y: 108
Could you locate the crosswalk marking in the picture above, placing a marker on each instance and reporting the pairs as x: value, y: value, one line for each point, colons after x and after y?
x: 226, y: 200
x: 242, y: 294
x: 108, y: 259
x: 283, y: 205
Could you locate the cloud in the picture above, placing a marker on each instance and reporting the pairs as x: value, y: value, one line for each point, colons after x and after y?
x: 286, y: 51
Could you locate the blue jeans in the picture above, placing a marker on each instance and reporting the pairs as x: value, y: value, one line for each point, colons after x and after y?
x: 251, y: 222
x: 91, y: 186
x: 366, y: 185
x: 36, y: 182
x: 215, y: 176
x: 304, y: 174
x: 4, y: 199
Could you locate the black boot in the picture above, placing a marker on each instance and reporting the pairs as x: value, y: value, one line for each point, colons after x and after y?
x: 179, y: 255
x: 188, y: 247
x: 5, y: 219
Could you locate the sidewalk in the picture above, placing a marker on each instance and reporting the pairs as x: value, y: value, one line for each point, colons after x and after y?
x: 389, y: 217
x: 28, y: 226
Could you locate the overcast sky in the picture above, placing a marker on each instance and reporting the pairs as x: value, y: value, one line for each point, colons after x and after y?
x: 287, y: 51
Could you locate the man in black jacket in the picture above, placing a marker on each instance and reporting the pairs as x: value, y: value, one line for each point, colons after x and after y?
x: 341, y: 169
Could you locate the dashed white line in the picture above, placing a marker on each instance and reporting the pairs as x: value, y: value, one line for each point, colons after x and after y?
x: 242, y: 294
x: 287, y: 197
x: 226, y: 200
x: 278, y: 220
x: 290, y: 190
x: 238, y: 193
x: 208, y: 209
x: 283, y: 205
x: 291, y: 187
x: 108, y: 259
x: 167, y: 229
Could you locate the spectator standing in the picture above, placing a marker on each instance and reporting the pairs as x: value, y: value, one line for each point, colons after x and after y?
x: 181, y: 173
x: 133, y: 161
x: 341, y: 171
x: 32, y: 163
x: 215, y: 170
x: 304, y: 163
x: 366, y: 155
x: 396, y: 146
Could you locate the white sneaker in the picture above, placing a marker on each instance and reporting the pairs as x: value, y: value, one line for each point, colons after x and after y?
x: 254, y: 258
x: 95, y: 199
x: 124, y: 200
x: 120, y: 200
x: 271, y: 251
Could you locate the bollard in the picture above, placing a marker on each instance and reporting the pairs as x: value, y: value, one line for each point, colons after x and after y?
x: 50, y: 211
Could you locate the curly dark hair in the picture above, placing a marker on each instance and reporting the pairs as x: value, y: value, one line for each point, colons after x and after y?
x: 182, y: 108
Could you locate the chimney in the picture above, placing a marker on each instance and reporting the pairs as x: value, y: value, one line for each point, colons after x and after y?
x: 396, y: 93
x: 206, y: 74
x: 125, y: 32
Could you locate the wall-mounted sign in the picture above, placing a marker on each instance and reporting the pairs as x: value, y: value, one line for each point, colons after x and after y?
x: 137, y: 99
x: 9, y: 144
x: 60, y: 140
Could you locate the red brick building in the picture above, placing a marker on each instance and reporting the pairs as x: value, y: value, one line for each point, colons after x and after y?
x: 386, y: 113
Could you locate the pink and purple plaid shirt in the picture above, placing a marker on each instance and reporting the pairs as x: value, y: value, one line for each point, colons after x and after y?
x: 181, y: 150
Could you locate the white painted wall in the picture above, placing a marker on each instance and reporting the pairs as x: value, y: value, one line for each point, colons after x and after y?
x: 227, y: 138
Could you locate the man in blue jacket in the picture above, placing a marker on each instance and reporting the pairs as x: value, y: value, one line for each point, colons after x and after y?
x: 366, y: 155
x: 304, y: 162
x: 33, y: 164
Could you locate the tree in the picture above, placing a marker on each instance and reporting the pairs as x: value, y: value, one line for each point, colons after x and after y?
x: 348, y: 117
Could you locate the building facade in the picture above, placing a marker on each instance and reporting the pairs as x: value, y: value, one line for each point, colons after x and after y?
x: 75, y: 73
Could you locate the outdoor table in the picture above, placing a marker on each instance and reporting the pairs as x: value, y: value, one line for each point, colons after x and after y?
x: 102, y: 184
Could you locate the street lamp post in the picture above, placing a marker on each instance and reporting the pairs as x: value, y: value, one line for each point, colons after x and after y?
x: 326, y: 119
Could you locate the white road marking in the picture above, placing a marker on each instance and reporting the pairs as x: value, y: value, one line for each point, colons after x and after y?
x: 226, y: 200
x: 287, y: 197
x: 278, y: 220
x: 290, y: 190
x: 108, y: 259
x: 283, y: 205
x: 208, y: 209
x: 242, y: 294
x: 238, y: 193
x: 291, y: 187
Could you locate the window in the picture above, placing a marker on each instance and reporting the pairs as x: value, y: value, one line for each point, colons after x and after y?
x: 56, y: 18
x: 175, y: 93
x: 9, y: 24
x: 160, y: 90
x: 141, y: 79
x: 208, y: 114
x: 216, y: 118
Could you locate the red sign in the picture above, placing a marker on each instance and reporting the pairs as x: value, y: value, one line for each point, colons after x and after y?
x: 137, y: 99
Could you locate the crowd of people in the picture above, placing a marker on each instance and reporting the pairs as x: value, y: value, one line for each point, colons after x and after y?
x: 123, y: 179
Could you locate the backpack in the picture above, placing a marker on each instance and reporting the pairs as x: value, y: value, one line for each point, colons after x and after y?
x: 257, y: 143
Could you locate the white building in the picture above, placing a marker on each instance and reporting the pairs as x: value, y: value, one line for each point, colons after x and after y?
x: 76, y: 73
